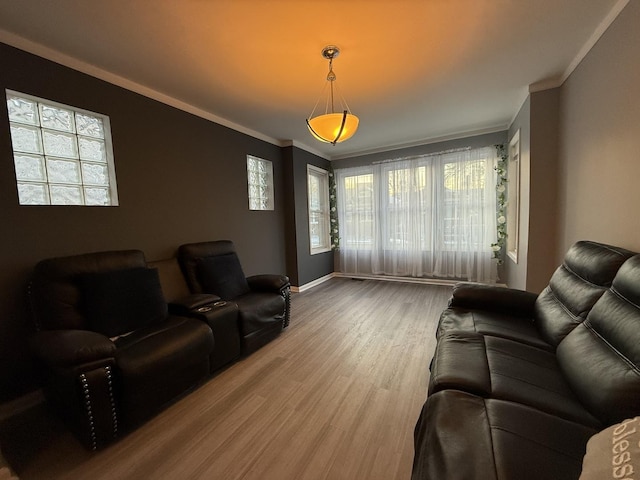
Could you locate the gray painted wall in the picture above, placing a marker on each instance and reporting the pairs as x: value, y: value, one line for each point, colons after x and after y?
x: 579, y: 145
x: 180, y: 179
x: 600, y: 141
x: 538, y: 123
x: 303, y: 267
x: 543, y: 192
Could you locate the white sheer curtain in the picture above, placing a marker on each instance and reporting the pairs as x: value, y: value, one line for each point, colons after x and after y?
x: 428, y: 216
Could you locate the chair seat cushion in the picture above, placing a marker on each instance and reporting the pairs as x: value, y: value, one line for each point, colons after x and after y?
x: 463, y: 436
x: 158, y: 362
x: 223, y: 276
x: 119, y: 301
x: 500, y: 368
x: 259, y: 310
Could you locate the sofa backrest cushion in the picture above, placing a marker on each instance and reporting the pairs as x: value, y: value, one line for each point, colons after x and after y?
x: 190, y: 254
x: 120, y: 301
x: 222, y: 275
x: 585, y: 274
x: 55, y: 294
x: 601, y: 356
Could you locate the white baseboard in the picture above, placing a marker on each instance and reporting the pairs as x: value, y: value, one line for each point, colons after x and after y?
x: 312, y: 284
x: 390, y: 278
x: 386, y: 278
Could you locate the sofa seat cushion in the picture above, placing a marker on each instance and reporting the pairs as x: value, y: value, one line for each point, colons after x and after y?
x: 462, y: 436
x: 159, y: 362
x: 504, y: 369
x: 491, y: 323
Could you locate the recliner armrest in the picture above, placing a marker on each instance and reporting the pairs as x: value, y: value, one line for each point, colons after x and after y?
x: 188, y: 304
x: 69, y: 348
x: 492, y: 298
x: 268, y: 283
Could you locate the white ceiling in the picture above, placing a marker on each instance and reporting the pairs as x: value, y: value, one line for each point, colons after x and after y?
x: 413, y: 71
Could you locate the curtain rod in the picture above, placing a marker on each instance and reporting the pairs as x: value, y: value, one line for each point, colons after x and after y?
x: 411, y: 157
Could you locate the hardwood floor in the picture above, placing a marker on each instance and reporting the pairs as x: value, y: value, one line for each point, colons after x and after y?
x: 336, y: 396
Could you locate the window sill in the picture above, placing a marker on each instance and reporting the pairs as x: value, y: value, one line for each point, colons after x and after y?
x: 316, y: 251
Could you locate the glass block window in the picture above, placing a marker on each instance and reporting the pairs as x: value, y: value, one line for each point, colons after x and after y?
x: 62, y: 155
x: 260, y: 181
x: 318, y: 200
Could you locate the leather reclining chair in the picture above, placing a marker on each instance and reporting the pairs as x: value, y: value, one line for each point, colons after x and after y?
x: 222, y: 317
x: 263, y: 300
x: 112, y: 354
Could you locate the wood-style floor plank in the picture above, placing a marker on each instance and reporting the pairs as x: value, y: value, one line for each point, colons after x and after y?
x: 336, y: 396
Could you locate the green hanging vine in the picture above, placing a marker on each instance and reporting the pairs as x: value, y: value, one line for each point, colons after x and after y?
x: 501, y: 211
x: 333, y: 212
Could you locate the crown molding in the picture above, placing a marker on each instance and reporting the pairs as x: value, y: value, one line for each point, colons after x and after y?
x: 94, y: 71
x: 595, y: 36
x: 583, y: 52
x: 306, y: 148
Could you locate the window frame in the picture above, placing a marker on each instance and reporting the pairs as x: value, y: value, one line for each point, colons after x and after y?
x: 324, y: 211
x: 268, y: 176
x: 111, y: 186
x: 513, y: 198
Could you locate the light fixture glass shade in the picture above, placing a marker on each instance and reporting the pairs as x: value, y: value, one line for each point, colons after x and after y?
x: 329, y: 127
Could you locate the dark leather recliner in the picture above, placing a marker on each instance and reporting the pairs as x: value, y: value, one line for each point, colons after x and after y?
x: 111, y: 353
x: 263, y: 300
x: 222, y: 317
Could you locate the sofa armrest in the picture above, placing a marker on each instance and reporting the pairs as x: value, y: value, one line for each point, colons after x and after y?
x: 268, y: 283
x: 493, y: 298
x: 70, y: 348
x: 186, y: 305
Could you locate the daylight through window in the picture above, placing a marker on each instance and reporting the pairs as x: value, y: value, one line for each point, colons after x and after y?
x: 62, y: 155
x: 318, y: 191
x: 260, y: 183
x: 425, y: 216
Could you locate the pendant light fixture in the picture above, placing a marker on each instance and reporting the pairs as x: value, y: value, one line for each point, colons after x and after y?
x: 332, y: 127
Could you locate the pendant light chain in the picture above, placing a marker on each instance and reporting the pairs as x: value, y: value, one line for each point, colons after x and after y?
x: 331, y: 76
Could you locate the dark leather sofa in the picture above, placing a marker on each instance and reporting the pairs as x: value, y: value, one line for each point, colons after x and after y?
x: 520, y: 382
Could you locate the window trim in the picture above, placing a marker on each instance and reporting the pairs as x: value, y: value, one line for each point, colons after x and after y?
x: 323, y: 175
x: 108, y: 143
x: 513, y: 198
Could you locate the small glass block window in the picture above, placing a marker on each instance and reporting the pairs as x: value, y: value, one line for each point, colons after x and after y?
x: 62, y: 155
x: 260, y: 183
